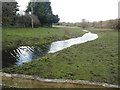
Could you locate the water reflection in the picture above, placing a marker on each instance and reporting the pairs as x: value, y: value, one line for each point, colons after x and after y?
x: 22, y: 55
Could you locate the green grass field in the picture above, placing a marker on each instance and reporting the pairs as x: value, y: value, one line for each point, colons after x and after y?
x: 96, y: 60
x: 14, y: 37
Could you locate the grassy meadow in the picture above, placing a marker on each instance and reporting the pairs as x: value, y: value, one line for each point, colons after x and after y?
x: 14, y: 37
x: 95, y: 60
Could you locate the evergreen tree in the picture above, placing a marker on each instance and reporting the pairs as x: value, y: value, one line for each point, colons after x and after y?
x: 44, y: 13
x: 9, y: 10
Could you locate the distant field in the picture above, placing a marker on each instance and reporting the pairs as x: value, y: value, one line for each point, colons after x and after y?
x: 94, y: 61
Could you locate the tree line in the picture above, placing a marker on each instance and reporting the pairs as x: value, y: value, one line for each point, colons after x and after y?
x: 108, y: 24
x: 41, y: 15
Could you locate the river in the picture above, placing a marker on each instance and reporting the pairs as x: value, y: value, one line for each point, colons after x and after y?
x: 24, y: 54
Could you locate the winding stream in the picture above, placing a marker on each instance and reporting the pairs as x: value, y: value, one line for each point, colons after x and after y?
x: 59, y: 45
x: 24, y: 54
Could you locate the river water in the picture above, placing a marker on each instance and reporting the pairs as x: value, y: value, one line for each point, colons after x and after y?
x: 24, y: 54
x: 59, y: 45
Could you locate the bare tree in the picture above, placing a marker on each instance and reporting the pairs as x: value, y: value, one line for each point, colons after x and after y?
x: 84, y: 24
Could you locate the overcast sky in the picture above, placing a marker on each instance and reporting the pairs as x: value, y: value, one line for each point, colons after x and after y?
x: 75, y: 10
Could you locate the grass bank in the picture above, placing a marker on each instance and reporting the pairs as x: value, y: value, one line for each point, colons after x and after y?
x: 94, y: 61
x: 14, y: 37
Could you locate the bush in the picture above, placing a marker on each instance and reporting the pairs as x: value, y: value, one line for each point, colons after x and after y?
x: 26, y: 21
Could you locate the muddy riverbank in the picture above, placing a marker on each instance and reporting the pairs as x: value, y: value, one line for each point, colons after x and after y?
x: 27, y: 81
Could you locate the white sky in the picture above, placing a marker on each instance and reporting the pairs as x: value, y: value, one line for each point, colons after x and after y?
x: 75, y: 10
